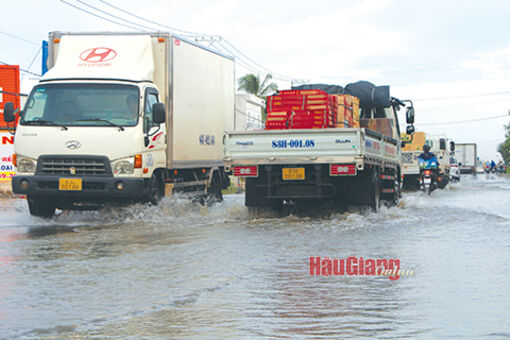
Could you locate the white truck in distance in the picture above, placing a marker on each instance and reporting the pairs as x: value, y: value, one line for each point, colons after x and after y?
x: 466, y: 158
x: 344, y: 166
x: 410, y: 153
x: 123, y: 117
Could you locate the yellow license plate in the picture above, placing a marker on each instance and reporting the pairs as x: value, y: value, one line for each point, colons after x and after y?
x: 293, y: 173
x: 69, y: 184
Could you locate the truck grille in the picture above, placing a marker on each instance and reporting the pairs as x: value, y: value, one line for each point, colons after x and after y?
x: 76, y: 165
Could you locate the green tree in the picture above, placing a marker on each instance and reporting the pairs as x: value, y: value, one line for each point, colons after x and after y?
x: 250, y: 83
x: 504, y: 148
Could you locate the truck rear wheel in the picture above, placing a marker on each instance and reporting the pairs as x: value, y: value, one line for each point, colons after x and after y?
x: 38, y: 207
x: 375, y: 191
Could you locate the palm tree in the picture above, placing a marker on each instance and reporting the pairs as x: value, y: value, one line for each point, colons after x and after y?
x: 250, y: 83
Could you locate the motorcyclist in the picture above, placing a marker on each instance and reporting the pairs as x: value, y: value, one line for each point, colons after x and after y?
x: 426, y: 154
x: 428, y: 162
x: 487, y: 167
x: 500, y: 168
x: 493, y: 166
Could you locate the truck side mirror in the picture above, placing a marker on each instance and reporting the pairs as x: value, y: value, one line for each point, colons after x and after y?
x: 158, y: 113
x: 410, y: 115
x: 452, y: 146
x: 9, y: 112
x: 410, y: 129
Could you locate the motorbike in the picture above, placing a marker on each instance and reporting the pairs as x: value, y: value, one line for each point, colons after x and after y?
x: 428, y: 175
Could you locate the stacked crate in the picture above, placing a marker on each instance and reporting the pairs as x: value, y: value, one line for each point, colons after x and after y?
x: 277, y: 120
x: 347, y: 111
x: 301, y: 109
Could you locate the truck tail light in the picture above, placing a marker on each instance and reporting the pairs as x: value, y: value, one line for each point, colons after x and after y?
x: 14, y: 159
x: 342, y: 169
x: 138, y: 161
x: 246, y: 171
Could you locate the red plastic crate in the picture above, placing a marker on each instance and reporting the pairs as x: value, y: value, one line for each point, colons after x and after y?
x: 295, y: 92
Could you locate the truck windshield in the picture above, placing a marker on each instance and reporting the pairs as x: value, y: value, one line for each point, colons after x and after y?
x: 82, y: 105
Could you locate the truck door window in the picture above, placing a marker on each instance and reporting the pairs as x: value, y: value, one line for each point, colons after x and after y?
x: 150, y: 99
x: 37, y: 104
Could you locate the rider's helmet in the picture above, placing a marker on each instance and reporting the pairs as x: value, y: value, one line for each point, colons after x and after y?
x: 426, y: 148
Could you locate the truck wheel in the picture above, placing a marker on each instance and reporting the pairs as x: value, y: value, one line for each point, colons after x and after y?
x: 250, y: 198
x: 156, y: 190
x: 40, y: 208
x: 375, y: 191
x: 214, y: 190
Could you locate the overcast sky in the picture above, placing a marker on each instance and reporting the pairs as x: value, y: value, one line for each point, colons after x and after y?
x: 425, y: 50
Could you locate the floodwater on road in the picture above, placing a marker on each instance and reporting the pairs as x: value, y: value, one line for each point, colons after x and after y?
x: 183, y: 271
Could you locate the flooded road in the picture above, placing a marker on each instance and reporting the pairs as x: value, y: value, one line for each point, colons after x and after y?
x: 184, y: 271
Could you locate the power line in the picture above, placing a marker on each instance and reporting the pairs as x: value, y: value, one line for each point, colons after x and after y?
x: 22, y: 70
x: 99, y: 16
x: 231, y: 47
x: 255, y: 63
x: 14, y: 93
x: 238, y: 61
x: 114, y: 16
x: 19, y: 38
x: 33, y: 60
x: 465, y: 96
x: 150, y: 21
x: 464, y: 121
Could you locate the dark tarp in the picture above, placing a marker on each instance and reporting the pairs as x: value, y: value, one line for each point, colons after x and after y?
x: 369, y: 95
x: 330, y: 89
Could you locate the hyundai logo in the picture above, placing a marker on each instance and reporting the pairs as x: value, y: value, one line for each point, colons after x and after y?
x: 98, y: 55
x: 73, y: 144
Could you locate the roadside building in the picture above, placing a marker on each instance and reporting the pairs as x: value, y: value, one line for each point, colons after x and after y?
x: 249, y: 110
x: 9, y: 90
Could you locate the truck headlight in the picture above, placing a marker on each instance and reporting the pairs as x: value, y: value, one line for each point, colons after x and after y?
x: 25, y: 164
x: 124, y: 166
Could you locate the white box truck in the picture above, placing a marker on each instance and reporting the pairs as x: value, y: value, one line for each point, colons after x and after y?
x: 123, y: 117
x: 466, y: 157
x: 410, y: 153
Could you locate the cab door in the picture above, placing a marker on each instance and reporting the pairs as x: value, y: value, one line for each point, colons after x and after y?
x: 154, y: 134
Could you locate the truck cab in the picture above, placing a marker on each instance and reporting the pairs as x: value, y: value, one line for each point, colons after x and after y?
x: 122, y: 118
x: 78, y: 121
